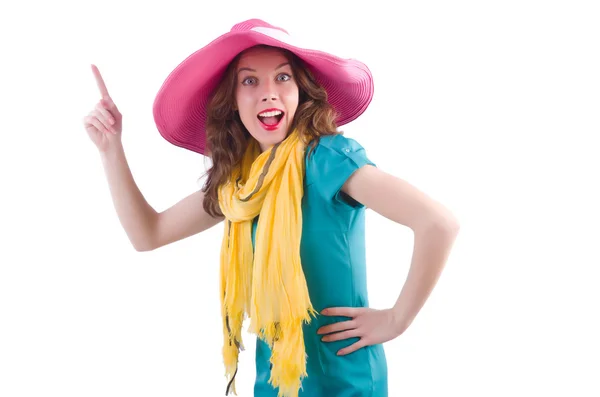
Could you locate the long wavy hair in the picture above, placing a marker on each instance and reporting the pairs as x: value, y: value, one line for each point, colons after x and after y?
x: 227, y: 137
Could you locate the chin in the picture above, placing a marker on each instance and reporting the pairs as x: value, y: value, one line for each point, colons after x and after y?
x: 269, y: 138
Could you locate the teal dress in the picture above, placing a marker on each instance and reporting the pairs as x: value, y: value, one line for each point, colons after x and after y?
x: 332, y: 252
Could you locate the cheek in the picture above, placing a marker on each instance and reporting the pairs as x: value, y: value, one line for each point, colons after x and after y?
x: 244, y: 105
x: 291, y: 101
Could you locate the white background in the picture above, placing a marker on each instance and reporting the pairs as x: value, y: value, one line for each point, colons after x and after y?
x: 489, y: 107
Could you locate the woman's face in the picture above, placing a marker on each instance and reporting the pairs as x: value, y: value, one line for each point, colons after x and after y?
x: 266, y: 95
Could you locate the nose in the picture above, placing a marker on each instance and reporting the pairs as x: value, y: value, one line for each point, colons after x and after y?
x: 269, y: 93
x: 269, y: 97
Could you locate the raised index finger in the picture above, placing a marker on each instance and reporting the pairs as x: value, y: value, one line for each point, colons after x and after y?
x: 100, y: 82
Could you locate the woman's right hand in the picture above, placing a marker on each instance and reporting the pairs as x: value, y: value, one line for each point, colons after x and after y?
x: 104, y: 123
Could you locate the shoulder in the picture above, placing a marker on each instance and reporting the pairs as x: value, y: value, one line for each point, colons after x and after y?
x: 332, y: 161
x: 337, y: 144
x: 332, y: 149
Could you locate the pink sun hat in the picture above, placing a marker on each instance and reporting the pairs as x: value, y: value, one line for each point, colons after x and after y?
x: 180, y: 106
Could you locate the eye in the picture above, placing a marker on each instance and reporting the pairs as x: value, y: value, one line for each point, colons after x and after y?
x: 284, y: 77
x: 248, y: 81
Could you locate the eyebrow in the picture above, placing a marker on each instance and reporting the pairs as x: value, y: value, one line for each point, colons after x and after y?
x: 253, y: 70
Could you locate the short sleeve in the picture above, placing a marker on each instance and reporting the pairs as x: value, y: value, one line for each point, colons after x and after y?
x: 335, y: 159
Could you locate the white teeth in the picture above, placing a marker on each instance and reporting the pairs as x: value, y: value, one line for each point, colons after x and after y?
x: 270, y: 114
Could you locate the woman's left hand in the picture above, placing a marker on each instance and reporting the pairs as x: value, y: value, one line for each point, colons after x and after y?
x: 372, y: 326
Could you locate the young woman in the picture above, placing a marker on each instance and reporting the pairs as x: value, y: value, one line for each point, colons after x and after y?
x: 292, y: 191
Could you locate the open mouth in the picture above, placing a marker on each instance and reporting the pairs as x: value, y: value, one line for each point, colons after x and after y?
x: 270, y: 117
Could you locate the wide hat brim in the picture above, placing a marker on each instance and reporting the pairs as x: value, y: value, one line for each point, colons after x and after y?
x: 180, y: 106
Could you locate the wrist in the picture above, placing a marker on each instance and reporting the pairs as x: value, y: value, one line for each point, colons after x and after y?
x: 400, y: 319
x: 112, y: 151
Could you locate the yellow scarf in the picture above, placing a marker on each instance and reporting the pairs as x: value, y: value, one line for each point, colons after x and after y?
x: 269, y: 284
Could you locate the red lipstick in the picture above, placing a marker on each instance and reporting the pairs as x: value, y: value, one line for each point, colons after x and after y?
x: 273, y: 121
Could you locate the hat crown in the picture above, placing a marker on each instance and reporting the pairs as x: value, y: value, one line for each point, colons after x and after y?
x: 254, y: 23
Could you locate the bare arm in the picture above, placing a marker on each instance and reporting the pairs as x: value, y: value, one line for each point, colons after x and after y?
x: 146, y: 228
x: 435, y: 229
x: 398, y: 200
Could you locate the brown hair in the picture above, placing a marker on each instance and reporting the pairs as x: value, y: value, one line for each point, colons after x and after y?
x: 227, y: 137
